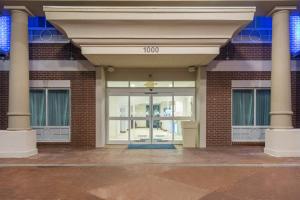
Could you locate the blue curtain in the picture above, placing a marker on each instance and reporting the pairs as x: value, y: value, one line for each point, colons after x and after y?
x: 58, y: 107
x: 263, y: 107
x: 243, y: 107
x: 38, y: 107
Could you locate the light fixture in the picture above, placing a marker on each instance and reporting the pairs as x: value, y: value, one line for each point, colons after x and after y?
x: 192, y: 69
x: 110, y: 69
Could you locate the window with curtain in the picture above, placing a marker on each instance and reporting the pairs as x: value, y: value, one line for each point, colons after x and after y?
x: 243, y: 108
x: 263, y: 107
x: 38, y: 107
x: 58, y: 108
x: 251, y: 107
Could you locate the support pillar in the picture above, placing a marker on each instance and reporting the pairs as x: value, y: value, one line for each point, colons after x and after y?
x: 201, y: 105
x: 18, y: 105
x: 100, y: 107
x: 18, y: 140
x: 281, y: 139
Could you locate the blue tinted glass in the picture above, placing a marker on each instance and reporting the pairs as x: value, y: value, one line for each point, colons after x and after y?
x: 295, y: 34
x: 36, y: 22
x: 4, y: 34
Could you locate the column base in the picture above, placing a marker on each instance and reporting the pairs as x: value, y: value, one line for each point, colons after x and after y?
x: 17, y: 144
x: 282, y: 142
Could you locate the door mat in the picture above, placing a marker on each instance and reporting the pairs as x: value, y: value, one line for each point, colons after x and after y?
x: 151, y: 146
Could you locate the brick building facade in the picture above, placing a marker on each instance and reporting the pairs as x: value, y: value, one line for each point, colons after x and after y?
x: 219, y: 90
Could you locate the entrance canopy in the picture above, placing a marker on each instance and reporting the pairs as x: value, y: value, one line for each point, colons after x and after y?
x: 149, y: 36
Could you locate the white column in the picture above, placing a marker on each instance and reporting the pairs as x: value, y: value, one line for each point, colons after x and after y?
x: 18, y: 140
x: 100, y: 107
x: 281, y: 139
x: 201, y: 105
x: 281, y: 108
x: 18, y: 106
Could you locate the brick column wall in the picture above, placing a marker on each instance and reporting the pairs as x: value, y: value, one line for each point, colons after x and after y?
x: 219, y: 102
x: 83, y: 103
x: 3, y: 99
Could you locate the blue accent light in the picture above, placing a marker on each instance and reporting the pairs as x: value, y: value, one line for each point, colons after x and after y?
x: 4, y: 34
x: 295, y: 34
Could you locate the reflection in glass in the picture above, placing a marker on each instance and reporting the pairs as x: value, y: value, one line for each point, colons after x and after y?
x: 139, y: 106
x: 118, y: 106
x: 162, y: 106
x: 162, y: 130
x: 177, y: 130
x: 118, y: 130
x: 183, y: 106
x: 139, y: 130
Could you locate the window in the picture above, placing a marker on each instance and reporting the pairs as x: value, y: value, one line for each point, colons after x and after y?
x: 151, y: 84
x: 38, y: 107
x: 49, y: 107
x: 117, y: 83
x: 251, y: 107
x: 262, y: 107
x: 58, y: 108
x: 184, y: 84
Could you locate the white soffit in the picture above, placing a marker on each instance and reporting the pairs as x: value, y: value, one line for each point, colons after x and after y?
x: 149, y: 36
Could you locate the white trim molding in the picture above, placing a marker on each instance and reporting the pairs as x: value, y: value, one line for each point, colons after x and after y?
x: 50, y: 83
x: 250, y: 84
x: 53, y: 65
x: 247, y: 65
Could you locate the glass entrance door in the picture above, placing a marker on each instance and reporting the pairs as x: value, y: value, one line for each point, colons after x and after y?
x: 151, y: 118
x: 162, y: 112
x: 140, y: 118
x: 148, y: 117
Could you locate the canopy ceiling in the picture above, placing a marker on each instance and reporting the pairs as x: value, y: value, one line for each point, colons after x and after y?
x: 149, y: 36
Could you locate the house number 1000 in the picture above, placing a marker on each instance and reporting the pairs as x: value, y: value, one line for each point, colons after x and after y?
x: 151, y: 49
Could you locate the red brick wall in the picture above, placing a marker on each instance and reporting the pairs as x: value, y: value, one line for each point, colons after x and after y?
x: 219, y: 102
x: 3, y: 99
x: 52, y: 51
x: 83, y: 103
x: 66, y: 51
x: 245, y: 52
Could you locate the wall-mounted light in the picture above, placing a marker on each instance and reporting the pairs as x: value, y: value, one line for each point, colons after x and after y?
x: 110, y: 69
x: 192, y: 69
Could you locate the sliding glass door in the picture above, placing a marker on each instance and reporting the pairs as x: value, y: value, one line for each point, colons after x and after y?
x: 148, y: 117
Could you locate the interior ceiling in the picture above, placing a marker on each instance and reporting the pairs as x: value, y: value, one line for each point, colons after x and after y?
x: 263, y: 6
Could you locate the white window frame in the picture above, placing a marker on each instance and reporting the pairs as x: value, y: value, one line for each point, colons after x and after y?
x: 253, y: 127
x: 48, y: 86
x: 254, y: 107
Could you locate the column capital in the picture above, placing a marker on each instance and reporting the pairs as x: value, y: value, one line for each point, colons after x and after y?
x: 281, y: 8
x: 20, y: 8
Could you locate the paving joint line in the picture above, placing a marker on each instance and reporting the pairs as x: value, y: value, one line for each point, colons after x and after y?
x: 257, y: 165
